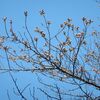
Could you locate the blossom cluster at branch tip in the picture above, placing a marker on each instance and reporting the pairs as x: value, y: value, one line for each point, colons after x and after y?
x: 64, y: 50
x: 49, y: 22
x: 71, y: 49
x: 39, y: 31
x: 67, y: 42
x: 77, y: 28
x: 42, y: 12
x: 79, y: 35
x: 35, y: 39
x: 25, y: 13
x: 94, y: 33
x: 86, y: 21
x: 61, y: 25
x: 96, y: 70
x: 4, y: 19
x: 69, y: 19
x: 47, y: 54
x: 83, y: 18
x: 67, y: 23
x: 42, y: 34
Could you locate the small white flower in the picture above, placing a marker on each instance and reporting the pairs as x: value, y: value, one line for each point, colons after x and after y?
x: 79, y: 35
x: 4, y: 18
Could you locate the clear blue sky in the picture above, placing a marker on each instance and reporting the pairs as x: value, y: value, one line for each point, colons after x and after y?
x: 57, y: 11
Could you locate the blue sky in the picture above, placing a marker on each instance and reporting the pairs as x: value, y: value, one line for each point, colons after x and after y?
x: 56, y: 10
